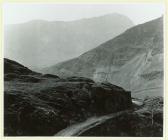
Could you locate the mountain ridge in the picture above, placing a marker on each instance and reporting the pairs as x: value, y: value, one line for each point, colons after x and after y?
x: 61, y: 40
x: 118, y: 55
x: 79, y: 19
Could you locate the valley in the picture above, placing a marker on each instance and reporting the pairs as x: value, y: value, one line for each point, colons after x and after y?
x: 99, y: 76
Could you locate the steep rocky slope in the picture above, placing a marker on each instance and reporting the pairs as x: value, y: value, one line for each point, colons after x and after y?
x: 41, y: 105
x: 51, y: 42
x: 133, y: 60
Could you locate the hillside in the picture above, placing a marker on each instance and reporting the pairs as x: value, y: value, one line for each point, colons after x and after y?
x: 42, y: 43
x: 41, y: 105
x: 144, y: 122
x: 133, y: 60
x: 46, y: 105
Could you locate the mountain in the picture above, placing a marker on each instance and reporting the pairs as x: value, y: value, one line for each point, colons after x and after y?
x: 41, y: 43
x: 132, y: 60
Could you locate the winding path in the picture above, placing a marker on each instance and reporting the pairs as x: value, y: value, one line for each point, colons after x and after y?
x: 77, y: 129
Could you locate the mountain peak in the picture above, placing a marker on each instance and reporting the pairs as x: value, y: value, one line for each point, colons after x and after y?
x: 113, y: 16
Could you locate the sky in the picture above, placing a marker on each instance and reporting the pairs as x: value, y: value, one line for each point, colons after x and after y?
x: 19, y: 13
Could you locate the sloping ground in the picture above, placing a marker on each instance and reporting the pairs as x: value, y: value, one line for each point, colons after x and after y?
x: 133, y: 60
x: 147, y: 121
x: 144, y: 75
x: 42, y: 105
x: 14, y: 67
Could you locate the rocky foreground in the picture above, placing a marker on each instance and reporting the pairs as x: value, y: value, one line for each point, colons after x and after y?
x: 42, y: 105
x: 37, y: 104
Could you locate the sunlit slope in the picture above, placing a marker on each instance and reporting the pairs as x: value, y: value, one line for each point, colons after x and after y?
x: 142, y: 75
x: 133, y: 60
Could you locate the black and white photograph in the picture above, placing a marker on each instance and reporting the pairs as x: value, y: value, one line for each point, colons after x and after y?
x: 83, y: 70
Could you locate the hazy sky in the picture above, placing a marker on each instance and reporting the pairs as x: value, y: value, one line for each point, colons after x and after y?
x: 138, y: 13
